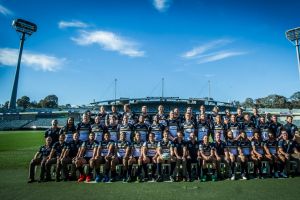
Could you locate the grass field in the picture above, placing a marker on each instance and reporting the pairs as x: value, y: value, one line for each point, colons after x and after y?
x: 18, y: 147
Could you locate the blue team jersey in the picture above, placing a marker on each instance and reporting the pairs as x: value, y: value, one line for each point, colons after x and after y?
x: 219, y: 147
x: 287, y: 146
x: 44, y: 151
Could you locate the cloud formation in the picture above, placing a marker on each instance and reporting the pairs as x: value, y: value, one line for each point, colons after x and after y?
x: 207, y: 52
x: 161, y: 5
x: 5, y: 11
x: 109, y: 41
x: 37, y: 61
x: 72, y: 24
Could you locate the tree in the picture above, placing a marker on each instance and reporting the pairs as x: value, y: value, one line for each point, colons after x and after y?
x: 50, y: 101
x: 249, y: 103
x: 6, y: 104
x: 23, y: 102
x: 295, y: 96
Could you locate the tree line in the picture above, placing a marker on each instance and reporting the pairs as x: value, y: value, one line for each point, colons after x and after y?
x: 274, y: 101
x: 50, y: 101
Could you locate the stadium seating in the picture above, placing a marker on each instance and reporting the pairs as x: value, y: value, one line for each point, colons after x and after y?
x: 13, y: 124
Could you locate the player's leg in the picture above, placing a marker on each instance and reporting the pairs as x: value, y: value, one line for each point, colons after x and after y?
x: 48, y: 165
x: 32, y: 165
x: 65, y: 162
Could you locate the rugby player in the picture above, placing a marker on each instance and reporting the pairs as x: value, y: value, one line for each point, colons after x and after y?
x: 290, y: 127
x: 257, y: 153
x: 244, y: 150
x: 53, y: 132
x: 203, y: 127
x: 142, y: 128
x: 99, y: 129
x: 192, y: 156
x: 219, y: 153
x: 165, y: 155
x: 217, y: 126
x: 88, y: 153
x: 68, y: 130
x: 91, y: 120
x: 131, y: 115
x: 239, y: 117
x: 84, y: 128
x: 188, y: 126
x: 113, y: 128
x: 122, y: 150
x: 234, y: 126
x: 173, y: 125
x: 55, y: 157
x: 150, y: 155
x: 126, y: 128
x: 114, y: 112
x: 248, y: 126
x: 102, y: 115
x: 136, y: 156
x: 263, y: 126
x: 207, y: 156
x: 157, y: 129
x: 147, y: 116
x: 231, y: 152
x: 40, y: 159
x: 180, y: 153
x: 270, y: 147
x: 161, y: 116
x: 255, y: 117
x: 275, y: 127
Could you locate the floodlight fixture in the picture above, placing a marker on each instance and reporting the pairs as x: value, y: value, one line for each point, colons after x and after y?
x: 25, y: 28
x: 293, y: 35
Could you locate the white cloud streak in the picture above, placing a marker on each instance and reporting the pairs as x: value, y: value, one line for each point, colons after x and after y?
x: 72, y: 24
x: 109, y: 41
x: 219, y: 56
x: 5, y: 11
x: 37, y: 61
x: 161, y: 5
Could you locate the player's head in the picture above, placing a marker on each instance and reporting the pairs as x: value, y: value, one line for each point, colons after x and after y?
x: 216, y: 109
x: 61, y: 138
x: 202, y: 116
x: 166, y: 134
x: 202, y: 109
x: 102, y: 109
x: 289, y: 119
x: 205, y: 139
x: 144, y: 109
x: 126, y: 108
x: 125, y: 119
x: 92, y: 136
x: 284, y: 134
x: 189, y: 110
x: 243, y: 134
x: 54, y: 123
x: 232, y: 118
x: 161, y: 108
x: 76, y: 136
x: 113, y: 108
x: 176, y: 111
x: 151, y: 136
x: 227, y: 111
x: 274, y: 118
x: 218, y: 118
x: 112, y: 120
x: 155, y: 119
x: 70, y: 121
x: 85, y: 118
x: 247, y: 117
x: 262, y: 119
x: 48, y: 141
x: 270, y: 135
x: 171, y: 114
x: 188, y: 116
x: 106, y: 136
x: 137, y: 136
x: 254, y: 110
x: 256, y: 135
x: 97, y: 120
x: 192, y: 136
x: 180, y: 134
x: 141, y: 119
x: 229, y: 134
x: 239, y: 111
x: 122, y: 136
x: 218, y: 136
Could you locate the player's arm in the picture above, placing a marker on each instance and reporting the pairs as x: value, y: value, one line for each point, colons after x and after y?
x: 267, y: 150
x: 127, y: 151
x: 144, y: 150
x: 36, y: 155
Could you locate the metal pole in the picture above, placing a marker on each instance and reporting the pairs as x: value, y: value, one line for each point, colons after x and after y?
x: 298, y: 56
x: 115, y: 91
x: 162, y: 88
x: 208, y: 90
x: 13, y: 99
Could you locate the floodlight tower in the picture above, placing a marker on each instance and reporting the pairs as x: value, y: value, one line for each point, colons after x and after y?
x: 25, y: 28
x: 293, y: 35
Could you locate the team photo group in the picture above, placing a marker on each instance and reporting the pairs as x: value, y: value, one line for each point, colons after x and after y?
x: 192, y: 146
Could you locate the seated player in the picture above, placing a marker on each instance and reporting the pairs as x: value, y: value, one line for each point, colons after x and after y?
x: 180, y: 153
x: 70, y: 155
x: 150, y: 155
x: 207, y: 156
x: 192, y: 155
x: 55, y: 157
x: 286, y: 147
x: 40, y: 159
x: 297, y: 145
x: 88, y: 153
x: 219, y: 152
x: 244, y: 153
x: 257, y: 153
x: 126, y: 127
x: 270, y: 147
x: 105, y: 152
x: 231, y: 152
x: 165, y: 155
x: 136, y: 156
x: 122, y: 151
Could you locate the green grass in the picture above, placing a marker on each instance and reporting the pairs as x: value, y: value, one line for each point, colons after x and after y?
x: 17, y: 148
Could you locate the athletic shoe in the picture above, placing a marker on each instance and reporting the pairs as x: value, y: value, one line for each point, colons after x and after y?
x: 88, y: 179
x: 128, y: 179
x: 97, y: 179
x: 276, y: 175
x: 283, y: 175
x: 172, y: 179
x: 139, y: 179
x: 214, y: 178
x: 203, y: 179
x: 159, y: 179
x: 232, y: 177
x: 244, y: 177
x: 81, y: 178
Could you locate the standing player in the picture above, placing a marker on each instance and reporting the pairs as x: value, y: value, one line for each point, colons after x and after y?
x: 53, y: 132
x: 239, y: 117
x: 263, y: 126
x: 84, y: 128
x: 131, y: 115
x: 112, y: 128
x: 157, y: 129
x: 102, y: 115
x: 290, y: 127
x: 126, y: 128
x: 40, y: 159
x: 188, y: 126
x: 275, y: 127
x: 68, y: 130
x: 234, y: 126
x: 142, y: 128
x: 161, y: 116
x: 147, y: 116
x: 248, y: 126
x: 88, y: 153
x: 217, y: 126
x: 99, y: 129
x: 207, y: 156
x: 173, y: 125
x: 203, y: 127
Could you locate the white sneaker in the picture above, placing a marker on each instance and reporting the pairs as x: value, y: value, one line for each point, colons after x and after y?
x: 244, y: 177
x: 233, y: 177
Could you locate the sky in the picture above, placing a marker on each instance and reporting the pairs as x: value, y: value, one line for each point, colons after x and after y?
x: 81, y: 47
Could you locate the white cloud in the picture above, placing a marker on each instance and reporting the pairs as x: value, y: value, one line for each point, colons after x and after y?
x: 74, y: 24
x: 161, y: 5
x: 196, y: 51
x: 5, y: 11
x: 37, y: 61
x: 219, y: 56
x: 109, y: 41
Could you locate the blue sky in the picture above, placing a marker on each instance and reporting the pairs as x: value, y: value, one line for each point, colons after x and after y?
x: 82, y: 46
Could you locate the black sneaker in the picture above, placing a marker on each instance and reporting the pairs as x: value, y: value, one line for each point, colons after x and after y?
x: 128, y: 179
x: 172, y: 179
x: 31, y: 181
x: 159, y: 179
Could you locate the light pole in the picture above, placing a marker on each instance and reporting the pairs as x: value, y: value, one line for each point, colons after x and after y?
x: 293, y: 35
x: 25, y: 28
